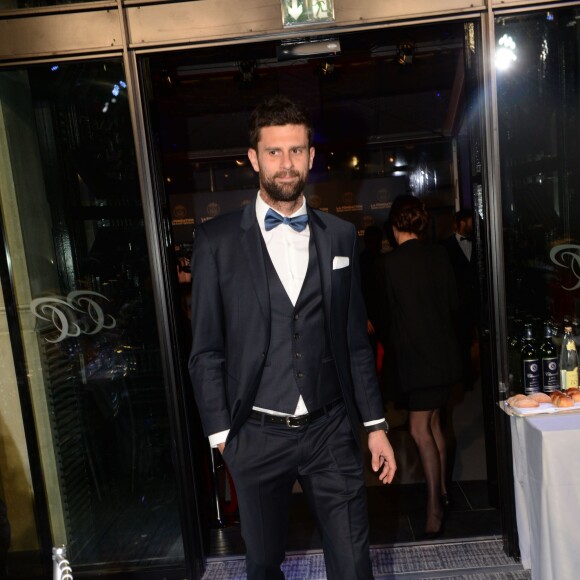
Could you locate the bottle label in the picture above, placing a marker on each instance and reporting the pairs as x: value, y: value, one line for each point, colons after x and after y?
x: 569, y: 379
x: 550, y: 374
x: 531, y: 376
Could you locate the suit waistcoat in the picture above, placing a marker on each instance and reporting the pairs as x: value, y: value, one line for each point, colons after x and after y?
x: 299, y: 360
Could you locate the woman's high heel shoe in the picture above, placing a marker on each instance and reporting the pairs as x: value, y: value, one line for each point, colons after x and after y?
x: 435, y: 535
x: 446, y: 501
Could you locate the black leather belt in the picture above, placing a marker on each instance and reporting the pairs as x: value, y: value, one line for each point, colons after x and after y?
x: 298, y: 421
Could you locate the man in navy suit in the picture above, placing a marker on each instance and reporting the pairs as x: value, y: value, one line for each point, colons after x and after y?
x: 281, y: 365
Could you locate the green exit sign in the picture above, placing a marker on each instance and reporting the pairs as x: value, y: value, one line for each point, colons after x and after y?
x: 299, y: 12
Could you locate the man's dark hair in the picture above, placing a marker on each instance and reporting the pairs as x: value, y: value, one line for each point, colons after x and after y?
x: 408, y: 214
x: 276, y: 111
x: 463, y: 215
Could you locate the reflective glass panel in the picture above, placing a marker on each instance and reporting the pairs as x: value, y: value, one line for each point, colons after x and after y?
x: 538, y: 91
x: 71, y: 205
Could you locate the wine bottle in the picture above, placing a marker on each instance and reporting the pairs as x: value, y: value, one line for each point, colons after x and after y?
x: 530, y: 363
x: 550, y: 366
x: 568, y: 361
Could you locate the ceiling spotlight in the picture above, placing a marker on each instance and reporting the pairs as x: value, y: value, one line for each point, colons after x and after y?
x: 166, y: 78
x: 505, y: 54
x: 327, y: 68
x: 167, y: 83
x: 405, y: 52
x: 247, y: 69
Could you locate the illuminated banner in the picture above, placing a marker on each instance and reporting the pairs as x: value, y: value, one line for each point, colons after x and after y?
x: 300, y: 12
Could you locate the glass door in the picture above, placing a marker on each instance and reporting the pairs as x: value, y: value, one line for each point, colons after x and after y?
x: 83, y: 293
x: 395, y: 111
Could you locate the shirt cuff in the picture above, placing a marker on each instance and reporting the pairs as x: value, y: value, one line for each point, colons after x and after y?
x: 216, y: 438
x: 369, y: 423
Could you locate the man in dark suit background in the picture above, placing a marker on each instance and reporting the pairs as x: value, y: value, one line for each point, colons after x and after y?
x: 460, y: 249
x: 281, y: 365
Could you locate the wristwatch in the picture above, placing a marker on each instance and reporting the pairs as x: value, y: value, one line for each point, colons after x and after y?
x: 382, y: 426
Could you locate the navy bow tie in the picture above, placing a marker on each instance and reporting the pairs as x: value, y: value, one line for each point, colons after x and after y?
x: 274, y: 219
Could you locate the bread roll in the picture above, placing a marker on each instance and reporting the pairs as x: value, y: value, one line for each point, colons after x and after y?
x: 560, y: 399
x: 575, y: 395
x: 540, y: 397
x: 515, y: 398
x: 525, y: 403
x: 564, y: 401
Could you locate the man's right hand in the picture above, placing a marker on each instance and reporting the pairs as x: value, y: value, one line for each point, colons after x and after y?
x: 382, y: 456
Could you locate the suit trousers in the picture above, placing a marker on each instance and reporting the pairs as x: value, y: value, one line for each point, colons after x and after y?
x: 265, y: 460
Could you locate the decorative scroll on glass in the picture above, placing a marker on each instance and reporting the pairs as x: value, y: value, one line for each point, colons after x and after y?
x: 302, y: 12
x: 567, y: 256
x: 79, y: 313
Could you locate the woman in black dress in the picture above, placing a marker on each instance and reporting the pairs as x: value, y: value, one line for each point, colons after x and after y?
x: 421, y: 298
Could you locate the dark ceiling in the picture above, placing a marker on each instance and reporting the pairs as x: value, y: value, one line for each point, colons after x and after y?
x: 202, y: 98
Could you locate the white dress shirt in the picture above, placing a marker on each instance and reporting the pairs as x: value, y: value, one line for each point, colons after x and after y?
x: 465, y: 245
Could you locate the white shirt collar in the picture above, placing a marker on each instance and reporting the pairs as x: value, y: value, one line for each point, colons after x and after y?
x: 459, y: 236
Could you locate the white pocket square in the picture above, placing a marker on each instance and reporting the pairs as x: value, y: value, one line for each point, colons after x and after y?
x: 340, y: 262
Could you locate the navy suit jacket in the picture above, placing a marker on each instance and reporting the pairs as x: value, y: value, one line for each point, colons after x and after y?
x: 231, y: 318
x: 464, y: 277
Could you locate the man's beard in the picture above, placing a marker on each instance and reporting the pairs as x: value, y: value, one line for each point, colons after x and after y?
x: 284, y: 191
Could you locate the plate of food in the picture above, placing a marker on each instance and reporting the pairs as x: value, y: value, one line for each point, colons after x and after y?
x: 538, y: 403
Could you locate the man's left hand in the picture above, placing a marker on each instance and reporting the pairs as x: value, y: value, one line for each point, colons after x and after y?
x: 383, y: 457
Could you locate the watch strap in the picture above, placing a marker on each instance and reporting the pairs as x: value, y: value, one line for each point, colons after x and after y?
x: 382, y: 426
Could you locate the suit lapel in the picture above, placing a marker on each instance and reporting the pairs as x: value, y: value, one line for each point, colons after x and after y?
x: 323, y: 243
x: 251, y: 245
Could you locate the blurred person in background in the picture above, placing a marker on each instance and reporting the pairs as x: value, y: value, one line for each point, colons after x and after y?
x: 459, y: 247
x: 418, y: 308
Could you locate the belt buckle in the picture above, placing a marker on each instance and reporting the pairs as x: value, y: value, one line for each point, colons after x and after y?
x: 289, y: 424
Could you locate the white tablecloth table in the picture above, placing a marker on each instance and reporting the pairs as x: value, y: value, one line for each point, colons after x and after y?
x: 547, y: 494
